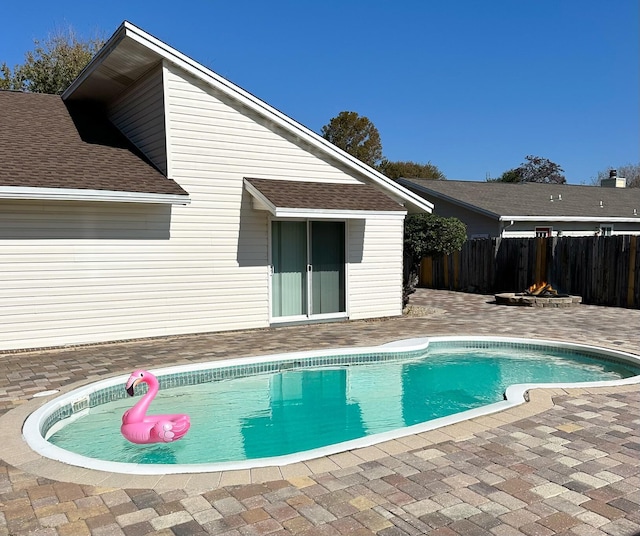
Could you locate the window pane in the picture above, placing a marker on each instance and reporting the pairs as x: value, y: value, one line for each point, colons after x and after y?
x: 289, y: 258
x: 327, y: 261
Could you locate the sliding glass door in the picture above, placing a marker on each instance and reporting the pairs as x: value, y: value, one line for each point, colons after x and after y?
x: 327, y: 267
x: 289, y: 262
x: 308, y: 269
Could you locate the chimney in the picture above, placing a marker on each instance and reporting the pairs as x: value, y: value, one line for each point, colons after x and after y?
x: 614, y: 181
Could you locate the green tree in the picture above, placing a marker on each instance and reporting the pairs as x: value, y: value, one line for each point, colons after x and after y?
x: 409, y: 170
x: 356, y: 135
x: 428, y: 235
x: 52, y: 65
x: 534, y: 169
x: 6, y: 78
x: 511, y: 175
x: 631, y: 172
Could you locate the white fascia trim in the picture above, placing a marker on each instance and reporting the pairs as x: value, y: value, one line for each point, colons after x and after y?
x: 592, y: 219
x: 68, y: 194
x: 318, y: 214
x: 259, y: 196
x: 250, y: 101
x: 168, y: 134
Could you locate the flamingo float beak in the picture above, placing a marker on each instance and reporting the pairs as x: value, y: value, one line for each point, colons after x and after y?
x: 131, y: 384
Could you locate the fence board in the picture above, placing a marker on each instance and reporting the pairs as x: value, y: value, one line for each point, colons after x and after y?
x: 632, y: 271
x: 604, y: 270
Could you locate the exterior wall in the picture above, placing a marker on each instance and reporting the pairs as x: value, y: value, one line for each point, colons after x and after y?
x: 79, y: 272
x: 478, y: 225
x: 73, y: 273
x: 213, y: 138
x: 213, y: 145
x: 139, y: 114
x: 375, y: 267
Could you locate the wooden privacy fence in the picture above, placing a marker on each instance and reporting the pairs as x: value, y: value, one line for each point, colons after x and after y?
x: 604, y: 270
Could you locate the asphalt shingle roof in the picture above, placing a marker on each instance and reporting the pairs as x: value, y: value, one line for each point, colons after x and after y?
x: 532, y: 199
x: 47, y: 143
x: 327, y: 196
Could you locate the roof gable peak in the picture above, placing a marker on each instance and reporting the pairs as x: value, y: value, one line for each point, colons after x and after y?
x: 131, y: 52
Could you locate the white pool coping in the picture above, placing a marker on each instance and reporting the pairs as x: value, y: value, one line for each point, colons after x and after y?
x: 515, y: 395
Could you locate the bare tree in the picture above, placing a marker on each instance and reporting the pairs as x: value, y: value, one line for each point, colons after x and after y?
x: 631, y: 172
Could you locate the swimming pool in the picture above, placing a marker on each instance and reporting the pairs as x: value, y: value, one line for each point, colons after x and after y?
x: 339, y: 381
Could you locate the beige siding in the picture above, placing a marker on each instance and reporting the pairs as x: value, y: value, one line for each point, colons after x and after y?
x: 375, y: 267
x: 139, y: 114
x: 73, y: 273
x: 210, y: 138
x: 70, y: 277
x: 214, y: 145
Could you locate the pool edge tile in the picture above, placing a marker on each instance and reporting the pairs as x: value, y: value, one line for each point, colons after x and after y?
x: 200, y: 482
x: 369, y: 454
x: 346, y: 459
x: 260, y: 475
x: 233, y: 478
x: 392, y: 447
x: 295, y: 470
x: 321, y: 465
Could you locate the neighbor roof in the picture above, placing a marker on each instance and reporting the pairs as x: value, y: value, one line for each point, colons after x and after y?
x: 290, y: 198
x: 533, y: 200
x: 46, y: 144
x: 131, y: 52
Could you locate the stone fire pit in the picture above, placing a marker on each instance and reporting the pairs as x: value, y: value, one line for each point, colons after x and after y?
x: 526, y: 300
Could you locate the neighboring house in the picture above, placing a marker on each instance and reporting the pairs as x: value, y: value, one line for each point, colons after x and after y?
x: 157, y: 198
x: 498, y: 209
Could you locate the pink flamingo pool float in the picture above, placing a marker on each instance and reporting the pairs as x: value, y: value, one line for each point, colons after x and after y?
x: 138, y: 427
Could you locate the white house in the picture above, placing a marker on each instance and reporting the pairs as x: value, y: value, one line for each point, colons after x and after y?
x: 157, y: 198
x: 528, y: 210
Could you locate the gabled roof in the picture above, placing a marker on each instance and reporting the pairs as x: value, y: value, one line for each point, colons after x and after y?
x: 53, y: 150
x: 533, y: 201
x: 284, y: 198
x: 131, y: 52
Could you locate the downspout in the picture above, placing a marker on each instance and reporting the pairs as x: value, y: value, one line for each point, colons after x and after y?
x: 505, y: 227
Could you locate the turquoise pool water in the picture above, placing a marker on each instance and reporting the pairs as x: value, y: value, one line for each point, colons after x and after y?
x: 270, y: 414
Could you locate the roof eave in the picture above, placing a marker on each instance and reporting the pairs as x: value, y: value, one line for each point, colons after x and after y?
x: 613, y: 219
x: 318, y: 214
x: 69, y: 194
x: 95, y: 62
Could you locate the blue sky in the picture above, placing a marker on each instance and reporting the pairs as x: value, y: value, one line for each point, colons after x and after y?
x: 471, y: 86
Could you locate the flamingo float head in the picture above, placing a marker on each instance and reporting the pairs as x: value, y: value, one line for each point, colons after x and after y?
x: 137, y: 376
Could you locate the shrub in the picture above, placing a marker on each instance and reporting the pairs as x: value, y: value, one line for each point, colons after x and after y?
x: 428, y: 235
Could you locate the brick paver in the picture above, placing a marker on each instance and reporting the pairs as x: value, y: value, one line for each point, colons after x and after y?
x: 573, y: 469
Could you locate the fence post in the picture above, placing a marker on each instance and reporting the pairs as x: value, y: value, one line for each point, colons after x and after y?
x: 632, y: 272
x: 456, y: 270
x: 446, y: 271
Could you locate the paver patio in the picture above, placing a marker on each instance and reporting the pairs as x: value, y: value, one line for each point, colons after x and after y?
x: 567, y: 462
